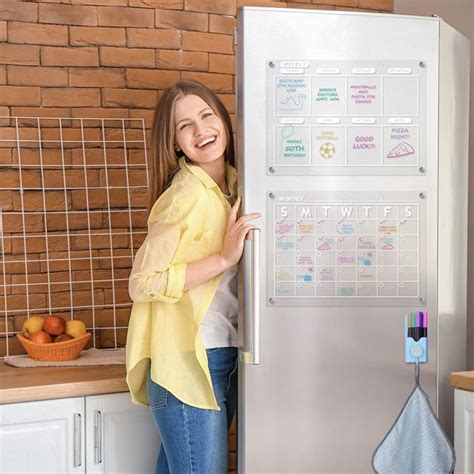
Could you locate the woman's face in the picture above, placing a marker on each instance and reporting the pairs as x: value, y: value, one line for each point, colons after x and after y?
x: 199, y: 132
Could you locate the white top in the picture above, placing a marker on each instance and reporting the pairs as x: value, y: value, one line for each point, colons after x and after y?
x: 219, y: 326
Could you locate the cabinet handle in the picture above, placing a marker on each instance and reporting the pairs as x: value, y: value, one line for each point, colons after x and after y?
x: 77, y: 439
x: 97, y: 436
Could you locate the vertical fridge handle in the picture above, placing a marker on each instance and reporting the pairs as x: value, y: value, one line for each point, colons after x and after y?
x: 252, y: 298
x: 77, y: 443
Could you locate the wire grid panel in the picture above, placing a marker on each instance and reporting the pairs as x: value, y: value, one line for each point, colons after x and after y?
x: 73, y: 209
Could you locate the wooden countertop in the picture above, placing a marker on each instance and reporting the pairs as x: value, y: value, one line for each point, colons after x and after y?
x: 463, y: 380
x: 23, y: 384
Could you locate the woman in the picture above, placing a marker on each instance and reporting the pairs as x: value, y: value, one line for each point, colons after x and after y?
x: 182, y: 337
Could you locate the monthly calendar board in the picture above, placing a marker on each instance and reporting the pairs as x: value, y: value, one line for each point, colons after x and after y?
x: 346, y: 117
x: 353, y: 248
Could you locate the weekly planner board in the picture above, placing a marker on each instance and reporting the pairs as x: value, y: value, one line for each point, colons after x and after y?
x: 346, y: 117
x: 357, y: 248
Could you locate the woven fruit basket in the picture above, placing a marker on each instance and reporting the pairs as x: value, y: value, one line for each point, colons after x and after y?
x: 55, y: 351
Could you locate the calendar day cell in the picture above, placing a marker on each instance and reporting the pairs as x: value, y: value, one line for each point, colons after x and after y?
x: 388, y: 227
x: 305, y: 212
x: 346, y: 257
x: 408, y: 274
x: 367, y: 259
x: 408, y: 242
x: 326, y: 273
x: 408, y: 289
x: 305, y: 258
x: 347, y: 242
x: 388, y: 258
x: 287, y: 227
x: 285, y: 243
x: 306, y: 242
x: 387, y: 289
x: 407, y: 257
x: 388, y: 243
x: 408, y: 212
x: 325, y: 227
x: 408, y: 227
x: 325, y: 242
x: 292, y: 95
x: 364, y: 146
x: 285, y: 258
x: 347, y: 288
x: 329, y: 96
x: 305, y: 289
x: 305, y: 274
x: 367, y: 289
x: 325, y: 288
x: 284, y: 212
x: 346, y: 227
x: 292, y: 145
x: 367, y: 242
x: 364, y: 96
x: 326, y: 211
x: 284, y: 289
x: 325, y: 257
x: 367, y: 227
x: 305, y: 227
x: 284, y: 273
x: 329, y: 146
x: 400, y: 96
x: 366, y: 273
x: 346, y: 274
x: 387, y: 273
x: 400, y: 143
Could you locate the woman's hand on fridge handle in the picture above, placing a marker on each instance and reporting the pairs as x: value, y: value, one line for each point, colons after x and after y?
x: 236, y: 232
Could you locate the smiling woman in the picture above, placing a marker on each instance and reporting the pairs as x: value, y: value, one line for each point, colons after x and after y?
x: 182, y: 338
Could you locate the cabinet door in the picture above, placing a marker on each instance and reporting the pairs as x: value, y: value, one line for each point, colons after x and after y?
x: 44, y: 436
x: 464, y: 431
x: 121, y: 437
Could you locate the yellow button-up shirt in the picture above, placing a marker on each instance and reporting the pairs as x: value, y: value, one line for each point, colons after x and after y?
x: 187, y: 223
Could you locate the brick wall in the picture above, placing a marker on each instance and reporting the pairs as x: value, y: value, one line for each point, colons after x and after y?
x: 101, y: 58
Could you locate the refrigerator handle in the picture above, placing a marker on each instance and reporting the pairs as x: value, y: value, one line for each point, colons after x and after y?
x: 252, y: 298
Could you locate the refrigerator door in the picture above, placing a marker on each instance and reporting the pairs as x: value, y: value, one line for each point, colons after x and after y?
x: 321, y: 374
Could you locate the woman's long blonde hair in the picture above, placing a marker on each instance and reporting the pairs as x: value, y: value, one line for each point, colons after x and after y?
x: 164, y: 164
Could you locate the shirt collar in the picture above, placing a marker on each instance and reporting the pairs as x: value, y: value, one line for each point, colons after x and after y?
x: 230, y: 172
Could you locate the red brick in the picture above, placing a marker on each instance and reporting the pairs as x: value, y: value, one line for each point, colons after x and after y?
x: 385, y: 5
x: 150, y: 78
x: 211, y: 42
x: 16, y: 54
x: 20, y: 11
x: 12, y: 95
x: 312, y: 7
x: 126, y: 16
x: 153, y: 38
x: 339, y: 3
x: 147, y: 115
x: 3, y: 74
x: 96, y: 77
x: 39, y: 112
x: 27, y: 33
x: 182, y: 60
x: 37, y: 76
x: 3, y: 30
x: 259, y: 3
x: 84, y: 35
x: 100, y: 112
x: 222, y: 7
x: 224, y: 63
x: 68, y: 14
x: 222, y: 24
x: 169, y: 4
x: 181, y: 20
x: 127, y: 57
x: 128, y: 98
x: 51, y: 56
x: 100, y: 2
x: 6, y: 197
x: 216, y: 82
x: 33, y: 201
x: 71, y: 97
x: 228, y: 101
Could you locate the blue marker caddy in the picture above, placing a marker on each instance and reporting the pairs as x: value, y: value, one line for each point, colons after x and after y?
x: 415, y: 351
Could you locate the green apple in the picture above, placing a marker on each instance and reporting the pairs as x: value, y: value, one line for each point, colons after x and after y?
x: 32, y: 325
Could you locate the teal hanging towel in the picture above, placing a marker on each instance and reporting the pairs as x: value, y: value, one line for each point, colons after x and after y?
x: 416, y: 443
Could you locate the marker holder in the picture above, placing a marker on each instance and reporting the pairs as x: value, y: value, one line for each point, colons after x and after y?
x: 415, y: 351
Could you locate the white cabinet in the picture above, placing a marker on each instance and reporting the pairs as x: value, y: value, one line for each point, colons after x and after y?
x: 464, y: 431
x: 93, y: 434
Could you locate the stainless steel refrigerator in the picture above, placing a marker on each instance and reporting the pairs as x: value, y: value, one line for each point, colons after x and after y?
x: 352, y: 143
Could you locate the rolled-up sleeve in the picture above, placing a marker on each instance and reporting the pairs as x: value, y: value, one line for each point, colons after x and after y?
x: 154, y: 277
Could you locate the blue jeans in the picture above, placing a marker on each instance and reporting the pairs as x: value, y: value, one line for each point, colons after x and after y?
x: 195, y: 440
